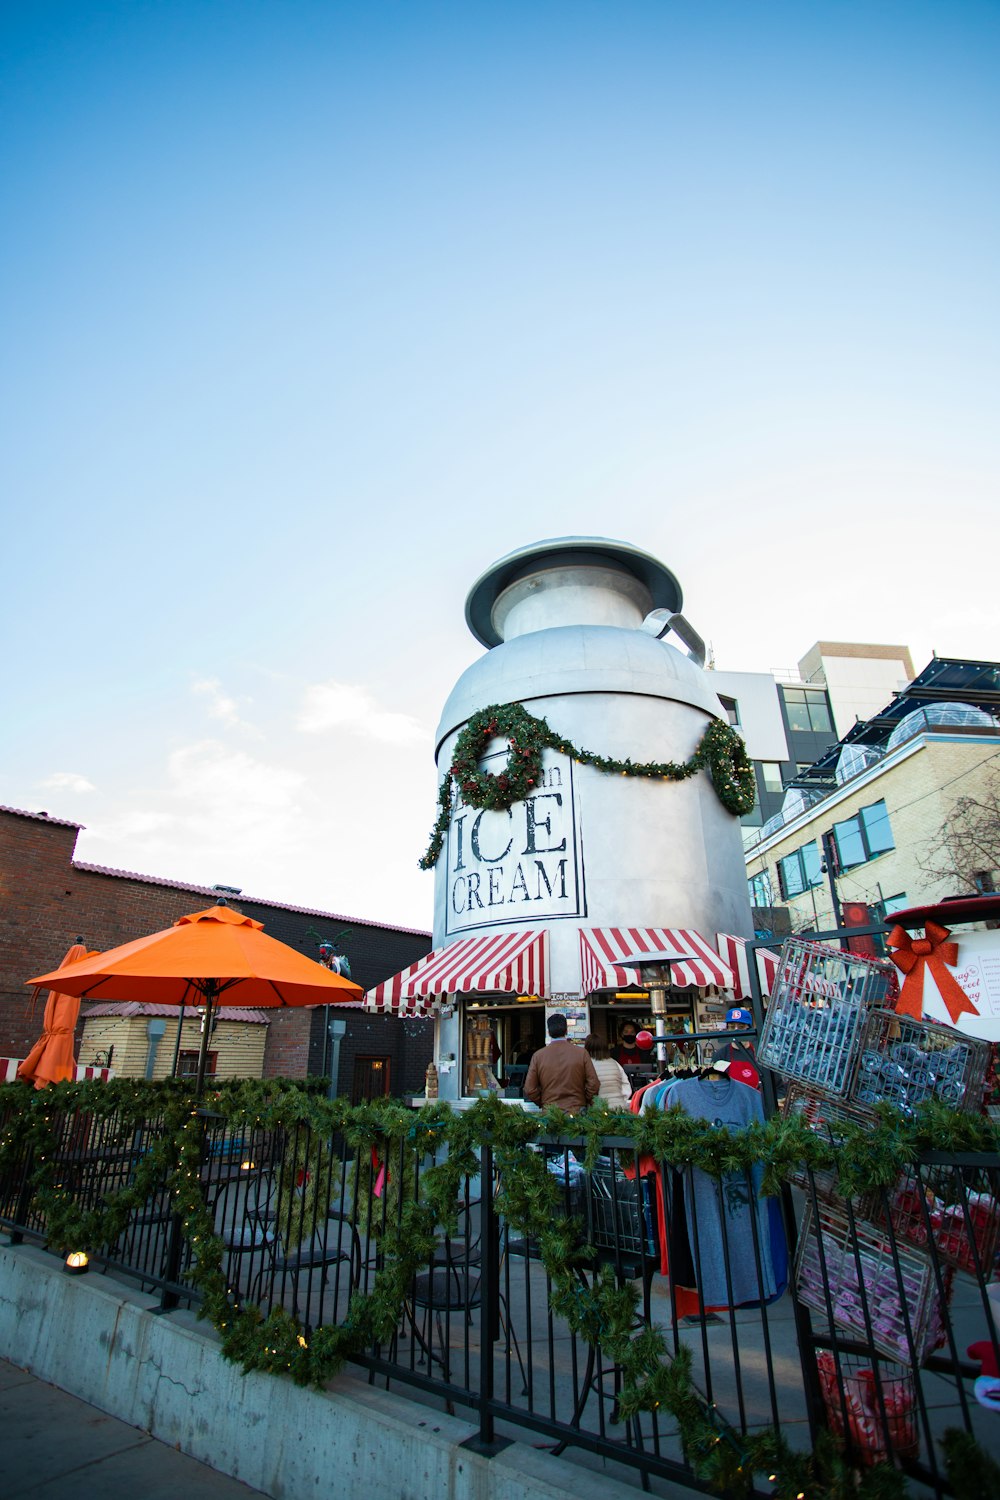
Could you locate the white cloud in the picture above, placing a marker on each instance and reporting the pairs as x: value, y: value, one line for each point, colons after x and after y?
x: 69, y: 781
x: 209, y: 775
x: 345, y: 705
x: 220, y: 704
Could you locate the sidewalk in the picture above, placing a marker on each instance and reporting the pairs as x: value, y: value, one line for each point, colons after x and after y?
x: 58, y: 1448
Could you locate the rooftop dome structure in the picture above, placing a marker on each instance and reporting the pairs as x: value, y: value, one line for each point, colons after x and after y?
x: 960, y: 714
x: 854, y: 759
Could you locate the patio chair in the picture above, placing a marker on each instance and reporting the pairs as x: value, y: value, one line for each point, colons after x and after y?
x: 451, y: 1283
x: 326, y: 1247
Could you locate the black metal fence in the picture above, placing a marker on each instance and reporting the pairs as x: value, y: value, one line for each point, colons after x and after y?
x: 801, y: 1312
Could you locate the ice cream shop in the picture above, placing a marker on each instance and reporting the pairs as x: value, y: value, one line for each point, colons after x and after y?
x: 587, y: 855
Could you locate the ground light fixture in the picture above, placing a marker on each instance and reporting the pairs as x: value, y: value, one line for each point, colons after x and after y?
x: 77, y: 1262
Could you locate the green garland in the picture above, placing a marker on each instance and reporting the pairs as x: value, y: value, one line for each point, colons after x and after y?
x: 720, y: 750
x: 603, y: 1314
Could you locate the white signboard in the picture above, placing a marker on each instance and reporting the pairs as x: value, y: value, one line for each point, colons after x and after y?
x: 576, y: 1011
x: 523, y: 865
x: 978, y: 974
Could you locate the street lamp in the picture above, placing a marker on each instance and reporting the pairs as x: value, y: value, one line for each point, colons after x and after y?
x: 654, y: 972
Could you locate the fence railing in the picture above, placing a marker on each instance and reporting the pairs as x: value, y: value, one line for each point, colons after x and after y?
x: 666, y: 1318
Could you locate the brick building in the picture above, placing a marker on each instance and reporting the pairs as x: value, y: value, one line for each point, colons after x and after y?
x: 48, y: 900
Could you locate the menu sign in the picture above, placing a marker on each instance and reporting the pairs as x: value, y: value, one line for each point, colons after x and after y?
x: 520, y: 865
x: 978, y: 974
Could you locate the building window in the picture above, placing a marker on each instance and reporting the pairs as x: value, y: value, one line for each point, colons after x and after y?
x: 800, y: 871
x: 760, y: 889
x: 732, y: 709
x: 895, y: 903
x: 187, y: 1064
x: 807, y: 711
x: 770, y: 775
x: 864, y: 836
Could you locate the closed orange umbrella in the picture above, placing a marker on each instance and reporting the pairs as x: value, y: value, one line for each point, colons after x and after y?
x: 207, y: 954
x: 51, y: 1059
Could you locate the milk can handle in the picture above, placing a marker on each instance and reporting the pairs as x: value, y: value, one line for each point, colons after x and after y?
x: 660, y: 622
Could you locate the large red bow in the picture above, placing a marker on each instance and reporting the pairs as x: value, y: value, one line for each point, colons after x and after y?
x: 931, y: 951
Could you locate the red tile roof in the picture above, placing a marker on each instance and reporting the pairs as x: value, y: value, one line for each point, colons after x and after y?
x: 131, y: 1008
x: 208, y: 890
x: 43, y: 817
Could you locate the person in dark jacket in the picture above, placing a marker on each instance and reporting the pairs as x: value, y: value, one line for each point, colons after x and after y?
x: 561, y: 1073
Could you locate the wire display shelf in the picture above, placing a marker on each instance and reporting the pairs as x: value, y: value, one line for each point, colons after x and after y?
x: 879, y: 1402
x: 906, y: 1063
x: 819, y: 1006
x: 877, y: 1290
x: 828, y: 1117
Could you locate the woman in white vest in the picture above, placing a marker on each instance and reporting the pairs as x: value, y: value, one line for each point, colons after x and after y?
x: 615, y: 1087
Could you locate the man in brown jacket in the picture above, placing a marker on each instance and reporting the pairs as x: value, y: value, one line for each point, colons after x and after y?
x: 561, y: 1073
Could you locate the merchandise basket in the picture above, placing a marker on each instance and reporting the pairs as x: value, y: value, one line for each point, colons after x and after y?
x: 827, y: 1117
x: 951, y: 1208
x: 880, y: 1402
x: 619, y: 1213
x: 827, y: 1265
x: 905, y: 1062
x: 820, y: 1002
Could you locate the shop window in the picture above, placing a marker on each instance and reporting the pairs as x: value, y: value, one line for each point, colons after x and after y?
x: 800, y: 871
x: 760, y: 889
x: 864, y: 836
x: 807, y: 711
x: 187, y: 1064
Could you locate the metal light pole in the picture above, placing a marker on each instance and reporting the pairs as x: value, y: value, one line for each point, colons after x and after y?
x: 831, y: 864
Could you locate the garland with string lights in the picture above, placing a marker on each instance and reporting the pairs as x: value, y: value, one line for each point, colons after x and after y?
x: 595, y: 1306
x: 721, y: 751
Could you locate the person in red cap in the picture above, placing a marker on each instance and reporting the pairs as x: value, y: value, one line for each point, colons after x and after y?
x: 738, y: 1054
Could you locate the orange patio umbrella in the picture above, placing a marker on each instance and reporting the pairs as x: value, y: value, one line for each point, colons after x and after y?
x: 202, y: 957
x: 51, y: 1059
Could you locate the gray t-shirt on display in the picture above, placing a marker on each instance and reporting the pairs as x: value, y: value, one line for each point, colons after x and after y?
x: 728, y: 1105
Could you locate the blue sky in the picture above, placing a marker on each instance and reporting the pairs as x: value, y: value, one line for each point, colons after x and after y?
x: 311, y: 311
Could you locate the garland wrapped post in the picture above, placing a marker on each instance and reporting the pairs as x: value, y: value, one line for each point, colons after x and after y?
x: 720, y: 751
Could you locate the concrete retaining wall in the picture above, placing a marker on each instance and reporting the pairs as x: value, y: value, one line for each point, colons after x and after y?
x: 100, y: 1341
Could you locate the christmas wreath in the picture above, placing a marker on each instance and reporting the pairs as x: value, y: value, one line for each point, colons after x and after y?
x: 721, y: 751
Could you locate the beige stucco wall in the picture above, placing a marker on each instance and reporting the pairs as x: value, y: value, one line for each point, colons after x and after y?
x: 239, y: 1044
x: 920, y: 784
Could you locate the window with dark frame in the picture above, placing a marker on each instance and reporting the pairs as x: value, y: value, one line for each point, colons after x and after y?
x: 770, y: 775
x: 864, y: 836
x: 800, y: 871
x: 187, y: 1064
x: 807, y: 712
x: 760, y: 889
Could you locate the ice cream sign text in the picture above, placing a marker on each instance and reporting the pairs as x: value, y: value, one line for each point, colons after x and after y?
x: 503, y: 866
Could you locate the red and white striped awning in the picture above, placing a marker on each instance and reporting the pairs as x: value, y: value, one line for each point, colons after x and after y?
x: 505, y: 963
x: 603, y: 951
x: 734, y: 951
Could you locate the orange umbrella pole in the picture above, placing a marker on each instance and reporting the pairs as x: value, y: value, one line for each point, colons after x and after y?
x: 177, y: 1042
x: 211, y: 993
